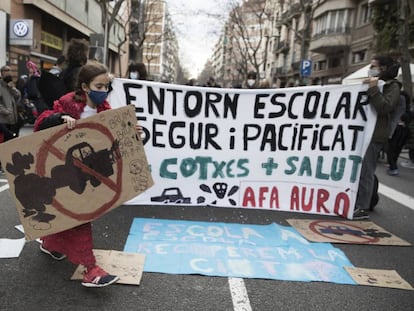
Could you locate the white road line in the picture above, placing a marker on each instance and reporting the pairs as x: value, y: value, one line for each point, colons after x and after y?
x: 239, y: 295
x: 396, y: 196
x: 4, y: 187
x: 238, y: 290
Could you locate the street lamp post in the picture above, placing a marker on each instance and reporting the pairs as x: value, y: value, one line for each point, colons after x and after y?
x: 106, y: 30
x: 105, y: 56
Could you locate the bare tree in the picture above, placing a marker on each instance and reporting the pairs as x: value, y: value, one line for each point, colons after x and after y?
x: 247, y: 32
x: 108, y: 19
x: 206, y: 73
x: 403, y: 45
x: 147, y: 32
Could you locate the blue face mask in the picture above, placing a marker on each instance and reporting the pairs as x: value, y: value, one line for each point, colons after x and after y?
x: 97, y: 97
x: 134, y: 75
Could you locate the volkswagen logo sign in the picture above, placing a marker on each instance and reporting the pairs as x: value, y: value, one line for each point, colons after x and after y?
x: 20, y: 28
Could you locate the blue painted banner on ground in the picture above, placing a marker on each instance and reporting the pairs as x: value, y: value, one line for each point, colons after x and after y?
x: 293, y: 149
x: 235, y: 250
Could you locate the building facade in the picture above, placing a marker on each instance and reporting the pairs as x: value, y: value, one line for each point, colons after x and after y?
x: 159, y: 45
x: 50, y: 24
x: 335, y: 36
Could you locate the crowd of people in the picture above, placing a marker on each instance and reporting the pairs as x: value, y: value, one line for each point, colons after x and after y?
x: 81, y: 88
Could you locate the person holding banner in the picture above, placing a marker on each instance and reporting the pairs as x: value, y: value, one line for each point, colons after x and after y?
x: 384, y: 102
x: 89, y: 98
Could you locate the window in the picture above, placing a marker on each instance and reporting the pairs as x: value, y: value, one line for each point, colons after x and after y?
x: 334, y: 62
x: 359, y: 56
x: 364, y: 14
x: 321, y: 65
x: 338, y: 21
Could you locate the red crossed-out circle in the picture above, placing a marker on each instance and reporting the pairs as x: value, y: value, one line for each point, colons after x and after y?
x: 47, y: 148
x: 317, y: 225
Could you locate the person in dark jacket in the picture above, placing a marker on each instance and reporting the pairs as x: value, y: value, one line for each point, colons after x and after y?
x: 400, y: 133
x: 384, y: 97
x: 32, y: 92
x: 76, y: 57
x: 409, y: 144
x: 9, y: 97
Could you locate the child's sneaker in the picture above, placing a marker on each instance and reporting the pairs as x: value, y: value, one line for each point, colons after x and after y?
x: 53, y: 254
x: 97, y: 277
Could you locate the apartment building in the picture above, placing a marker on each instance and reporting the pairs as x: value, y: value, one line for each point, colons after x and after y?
x: 342, y: 39
x: 336, y: 36
x: 160, y: 47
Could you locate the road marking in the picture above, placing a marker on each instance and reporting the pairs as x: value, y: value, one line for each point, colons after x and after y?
x: 4, y: 187
x: 396, y: 196
x: 239, y: 295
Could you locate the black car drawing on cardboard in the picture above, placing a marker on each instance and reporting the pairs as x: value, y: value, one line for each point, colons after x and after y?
x: 171, y: 195
x: 100, y: 162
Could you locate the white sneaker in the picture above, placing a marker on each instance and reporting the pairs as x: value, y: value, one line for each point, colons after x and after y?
x: 407, y: 164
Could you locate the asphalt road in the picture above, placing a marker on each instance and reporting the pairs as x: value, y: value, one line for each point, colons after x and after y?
x: 35, y: 282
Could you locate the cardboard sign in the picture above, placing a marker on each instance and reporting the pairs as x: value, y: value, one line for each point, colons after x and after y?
x: 61, y: 178
x: 351, y: 232
x: 377, y: 277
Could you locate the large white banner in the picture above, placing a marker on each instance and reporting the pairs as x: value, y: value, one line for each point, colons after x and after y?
x: 292, y: 149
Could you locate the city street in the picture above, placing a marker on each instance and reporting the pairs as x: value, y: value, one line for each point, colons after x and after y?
x: 35, y: 282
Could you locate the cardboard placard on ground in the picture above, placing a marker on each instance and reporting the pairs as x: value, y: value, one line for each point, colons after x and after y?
x: 376, y: 277
x: 127, y: 266
x: 61, y: 178
x: 345, y: 231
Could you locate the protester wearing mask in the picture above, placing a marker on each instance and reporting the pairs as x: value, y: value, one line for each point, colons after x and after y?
x: 384, y: 96
x: 9, y: 97
x: 137, y: 71
x: 89, y: 98
x: 32, y: 91
x: 252, y: 81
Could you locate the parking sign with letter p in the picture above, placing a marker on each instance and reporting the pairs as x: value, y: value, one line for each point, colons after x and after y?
x: 305, y: 67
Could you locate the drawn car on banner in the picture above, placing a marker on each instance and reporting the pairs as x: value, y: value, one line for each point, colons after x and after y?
x: 171, y: 195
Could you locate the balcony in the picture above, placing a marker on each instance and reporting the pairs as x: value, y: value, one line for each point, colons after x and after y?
x: 295, y: 66
x: 294, y: 11
x: 279, y: 71
x: 330, y: 42
x: 281, y: 47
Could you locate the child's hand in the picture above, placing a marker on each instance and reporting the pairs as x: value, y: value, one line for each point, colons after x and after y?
x: 140, y: 131
x: 70, y: 122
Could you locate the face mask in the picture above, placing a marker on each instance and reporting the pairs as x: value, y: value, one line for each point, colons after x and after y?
x: 134, y: 75
x: 7, y: 79
x: 373, y: 72
x: 97, y: 97
x: 251, y: 82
